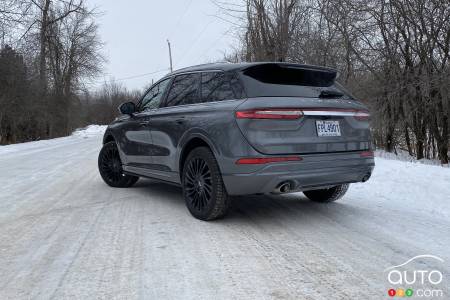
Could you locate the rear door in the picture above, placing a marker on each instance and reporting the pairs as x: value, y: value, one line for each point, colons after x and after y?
x: 169, y: 123
x: 196, y: 102
x: 294, y: 109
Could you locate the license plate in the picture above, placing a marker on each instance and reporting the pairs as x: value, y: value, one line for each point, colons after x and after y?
x: 328, y: 128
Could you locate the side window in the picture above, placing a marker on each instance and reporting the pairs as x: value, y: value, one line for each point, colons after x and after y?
x: 237, y: 87
x: 154, y: 96
x: 218, y: 86
x: 184, y: 90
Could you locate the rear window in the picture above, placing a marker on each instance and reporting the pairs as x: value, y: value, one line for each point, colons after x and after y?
x: 275, y: 80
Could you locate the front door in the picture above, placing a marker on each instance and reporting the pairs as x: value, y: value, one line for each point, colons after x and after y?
x: 138, y: 145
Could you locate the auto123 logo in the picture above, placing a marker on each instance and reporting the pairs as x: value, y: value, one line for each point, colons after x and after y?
x: 419, y: 277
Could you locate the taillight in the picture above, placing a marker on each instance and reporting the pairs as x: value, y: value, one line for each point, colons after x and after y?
x: 367, y: 154
x: 361, y: 115
x: 297, y: 113
x: 266, y: 160
x: 270, y: 113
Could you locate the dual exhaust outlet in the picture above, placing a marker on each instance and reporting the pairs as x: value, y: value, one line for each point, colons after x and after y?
x: 366, y: 177
x: 282, y: 188
x: 288, y: 186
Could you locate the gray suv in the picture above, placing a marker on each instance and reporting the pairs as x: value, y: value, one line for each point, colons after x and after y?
x: 221, y: 130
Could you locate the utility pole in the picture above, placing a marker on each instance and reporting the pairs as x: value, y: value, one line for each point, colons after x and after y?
x: 170, y: 56
x: 2, y: 45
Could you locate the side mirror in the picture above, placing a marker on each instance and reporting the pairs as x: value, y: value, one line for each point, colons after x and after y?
x: 127, y: 108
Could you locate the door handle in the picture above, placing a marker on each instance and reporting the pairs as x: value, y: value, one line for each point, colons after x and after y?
x: 180, y: 120
x: 143, y: 123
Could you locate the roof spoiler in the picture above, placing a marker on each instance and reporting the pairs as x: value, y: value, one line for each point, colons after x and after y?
x: 287, y: 73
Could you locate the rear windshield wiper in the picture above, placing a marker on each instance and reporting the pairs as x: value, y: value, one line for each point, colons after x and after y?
x: 330, y: 94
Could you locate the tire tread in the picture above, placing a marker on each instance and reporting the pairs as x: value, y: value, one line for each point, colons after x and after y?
x: 126, y: 181
x: 327, y: 195
x: 221, y: 199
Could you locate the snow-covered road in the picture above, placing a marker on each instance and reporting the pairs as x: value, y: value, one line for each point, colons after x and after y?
x: 65, y: 234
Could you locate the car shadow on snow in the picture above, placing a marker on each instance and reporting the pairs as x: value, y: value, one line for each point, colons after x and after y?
x: 289, y: 207
x: 255, y: 207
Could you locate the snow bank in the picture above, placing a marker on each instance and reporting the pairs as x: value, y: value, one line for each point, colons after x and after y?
x: 404, y: 156
x: 406, y: 186
x: 89, y: 131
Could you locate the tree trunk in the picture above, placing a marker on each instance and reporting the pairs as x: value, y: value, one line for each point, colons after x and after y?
x: 443, y: 153
x: 419, y: 149
x: 408, y: 140
x: 389, y: 144
x: 42, y: 45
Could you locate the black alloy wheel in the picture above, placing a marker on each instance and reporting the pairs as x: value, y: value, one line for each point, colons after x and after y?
x: 198, y: 184
x: 203, y: 188
x: 110, y: 167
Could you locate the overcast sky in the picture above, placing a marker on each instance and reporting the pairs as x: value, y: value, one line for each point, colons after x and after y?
x: 135, y: 33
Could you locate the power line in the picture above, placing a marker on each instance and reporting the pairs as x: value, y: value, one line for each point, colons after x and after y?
x: 133, y: 77
x: 195, y: 40
x: 209, y: 48
x: 180, y: 18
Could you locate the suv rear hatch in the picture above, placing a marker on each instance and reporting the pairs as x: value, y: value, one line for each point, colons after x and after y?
x: 296, y: 109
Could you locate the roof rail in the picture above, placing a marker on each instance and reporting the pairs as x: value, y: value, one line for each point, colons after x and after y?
x: 202, y: 65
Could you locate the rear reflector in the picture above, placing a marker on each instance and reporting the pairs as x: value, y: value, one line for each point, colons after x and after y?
x: 366, y: 154
x: 266, y: 160
x: 271, y: 113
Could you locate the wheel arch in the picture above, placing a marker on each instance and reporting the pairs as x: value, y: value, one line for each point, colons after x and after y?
x: 190, y: 144
x: 108, y: 137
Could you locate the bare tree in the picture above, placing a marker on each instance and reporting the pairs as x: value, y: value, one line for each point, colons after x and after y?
x: 59, y: 49
x: 392, y: 54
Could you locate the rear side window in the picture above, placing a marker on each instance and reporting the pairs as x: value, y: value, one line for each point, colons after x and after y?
x: 185, y: 89
x: 277, y: 80
x: 218, y: 86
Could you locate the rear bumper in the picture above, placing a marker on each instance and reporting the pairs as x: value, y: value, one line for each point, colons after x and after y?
x: 313, y: 172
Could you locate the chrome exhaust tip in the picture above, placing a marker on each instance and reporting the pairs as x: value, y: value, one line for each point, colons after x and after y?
x: 282, y: 188
x: 366, y: 177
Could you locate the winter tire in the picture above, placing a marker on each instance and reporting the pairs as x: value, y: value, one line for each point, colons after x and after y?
x: 327, y: 195
x: 110, y: 167
x: 203, y: 188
